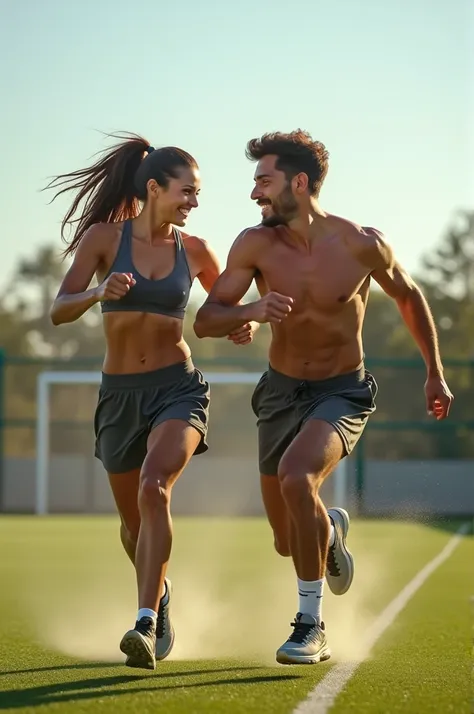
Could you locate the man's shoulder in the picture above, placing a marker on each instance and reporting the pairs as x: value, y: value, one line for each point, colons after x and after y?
x: 259, y: 231
x: 362, y: 240
x: 253, y: 237
x: 249, y: 246
x: 368, y: 245
x: 357, y: 232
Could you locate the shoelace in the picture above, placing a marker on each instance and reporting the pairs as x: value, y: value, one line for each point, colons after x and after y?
x: 300, y: 632
x: 160, y: 621
x: 332, y: 565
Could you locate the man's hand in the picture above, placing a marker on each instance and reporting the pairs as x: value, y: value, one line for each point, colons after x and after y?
x: 273, y: 307
x: 244, y: 335
x: 438, y: 397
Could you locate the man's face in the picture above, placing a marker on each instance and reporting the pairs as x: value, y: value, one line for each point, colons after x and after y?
x: 273, y: 193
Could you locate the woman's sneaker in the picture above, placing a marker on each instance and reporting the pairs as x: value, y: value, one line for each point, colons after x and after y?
x: 164, y: 627
x: 139, y: 644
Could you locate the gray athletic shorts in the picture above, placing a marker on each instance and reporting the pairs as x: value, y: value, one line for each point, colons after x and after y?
x: 131, y: 405
x: 283, y: 404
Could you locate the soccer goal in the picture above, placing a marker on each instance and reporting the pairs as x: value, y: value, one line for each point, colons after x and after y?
x: 47, y: 380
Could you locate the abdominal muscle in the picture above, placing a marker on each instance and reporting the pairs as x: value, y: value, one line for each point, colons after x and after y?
x: 318, y: 347
x: 142, y: 342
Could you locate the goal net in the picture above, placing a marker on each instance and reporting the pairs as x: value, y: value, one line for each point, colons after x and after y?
x: 222, y: 482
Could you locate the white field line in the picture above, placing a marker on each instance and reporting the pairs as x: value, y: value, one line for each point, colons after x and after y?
x: 322, y: 697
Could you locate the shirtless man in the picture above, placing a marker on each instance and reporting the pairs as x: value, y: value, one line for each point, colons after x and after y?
x: 313, y: 272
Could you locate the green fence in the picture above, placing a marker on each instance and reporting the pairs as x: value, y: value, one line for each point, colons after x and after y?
x: 400, y: 428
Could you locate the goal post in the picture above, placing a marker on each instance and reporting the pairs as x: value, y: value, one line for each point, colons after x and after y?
x: 46, y: 380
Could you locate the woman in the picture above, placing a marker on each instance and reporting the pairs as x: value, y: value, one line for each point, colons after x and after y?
x: 152, y: 412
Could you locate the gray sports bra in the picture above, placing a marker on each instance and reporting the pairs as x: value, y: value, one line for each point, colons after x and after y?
x: 168, y: 296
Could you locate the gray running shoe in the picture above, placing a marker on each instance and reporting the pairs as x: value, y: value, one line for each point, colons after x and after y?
x: 306, y: 645
x: 164, y: 627
x: 139, y: 644
x: 340, y: 563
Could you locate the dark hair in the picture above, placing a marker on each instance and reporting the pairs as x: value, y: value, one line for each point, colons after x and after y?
x: 113, y: 187
x: 296, y: 152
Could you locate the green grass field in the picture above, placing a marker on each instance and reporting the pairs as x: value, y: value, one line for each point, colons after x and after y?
x: 67, y: 594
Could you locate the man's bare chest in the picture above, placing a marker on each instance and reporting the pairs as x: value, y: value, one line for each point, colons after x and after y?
x: 324, y: 279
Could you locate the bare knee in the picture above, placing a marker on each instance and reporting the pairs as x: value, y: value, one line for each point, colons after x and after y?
x: 297, y: 485
x: 154, y: 491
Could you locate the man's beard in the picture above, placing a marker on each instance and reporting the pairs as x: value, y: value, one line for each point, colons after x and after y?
x: 284, y: 210
x: 273, y: 221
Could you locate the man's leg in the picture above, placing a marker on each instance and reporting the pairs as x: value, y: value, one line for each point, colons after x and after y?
x: 170, y: 447
x: 277, y: 513
x: 310, y: 458
x: 339, y: 566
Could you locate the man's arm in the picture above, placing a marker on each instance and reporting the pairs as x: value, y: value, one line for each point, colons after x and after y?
x: 416, y: 314
x: 221, y: 314
x: 209, y: 271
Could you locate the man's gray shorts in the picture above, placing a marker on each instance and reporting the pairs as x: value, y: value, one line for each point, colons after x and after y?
x: 283, y: 405
x: 131, y: 405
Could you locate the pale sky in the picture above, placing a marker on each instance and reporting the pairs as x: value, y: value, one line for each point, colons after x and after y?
x: 387, y: 86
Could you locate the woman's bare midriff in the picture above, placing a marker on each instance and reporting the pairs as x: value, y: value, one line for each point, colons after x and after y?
x: 142, y: 342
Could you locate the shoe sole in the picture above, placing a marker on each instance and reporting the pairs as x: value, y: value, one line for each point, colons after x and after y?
x: 160, y: 656
x: 284, y: 658
x: 341, y: 516
x: 138, y: 655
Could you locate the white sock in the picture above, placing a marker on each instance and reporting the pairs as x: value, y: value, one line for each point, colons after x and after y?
x: 311, y: 598
x: 332, y: 535
x: 146, y: 612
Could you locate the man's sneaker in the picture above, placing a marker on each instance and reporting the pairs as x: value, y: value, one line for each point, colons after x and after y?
x: 139, y: 644
x: 164, y: 627
x: 306, y: 645
x: 340, y: 563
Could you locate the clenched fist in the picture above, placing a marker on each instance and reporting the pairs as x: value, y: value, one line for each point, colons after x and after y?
x: 243, y: 335
x: 438, y: 397
x: 115, y: 286
x: 273, y: 307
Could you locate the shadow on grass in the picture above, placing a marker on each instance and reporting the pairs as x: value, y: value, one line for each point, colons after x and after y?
x: 101, y: 687
x: 109, y: 665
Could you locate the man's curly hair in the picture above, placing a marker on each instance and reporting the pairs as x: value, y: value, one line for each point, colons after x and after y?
x: 296, y: 152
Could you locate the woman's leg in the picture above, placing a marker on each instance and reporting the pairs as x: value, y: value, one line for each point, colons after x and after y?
x: 170, y: 447
x: 125, y: 492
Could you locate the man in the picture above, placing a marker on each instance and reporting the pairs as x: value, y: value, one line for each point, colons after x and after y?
x: 313, y: 271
